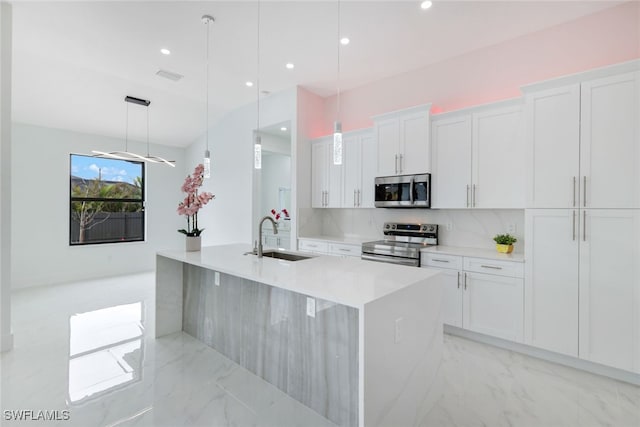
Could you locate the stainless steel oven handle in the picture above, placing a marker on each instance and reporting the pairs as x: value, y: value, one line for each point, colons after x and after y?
x: 392, y: 260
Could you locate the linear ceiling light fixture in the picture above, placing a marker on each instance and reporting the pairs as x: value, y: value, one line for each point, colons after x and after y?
x: 128, y: 155
x: 257, y: 145
x: 207, y: 20
x: 337, y: 125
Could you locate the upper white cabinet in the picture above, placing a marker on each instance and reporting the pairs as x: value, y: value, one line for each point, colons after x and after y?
x: 326, y: 178
x: 402, y: 139
x: 478, y: 158
x: 583, y: 145
x: 360, y: 154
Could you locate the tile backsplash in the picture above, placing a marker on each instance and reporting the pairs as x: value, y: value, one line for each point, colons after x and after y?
x: 457, y: 227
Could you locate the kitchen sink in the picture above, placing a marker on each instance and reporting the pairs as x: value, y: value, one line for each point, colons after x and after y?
x: 287, y: 256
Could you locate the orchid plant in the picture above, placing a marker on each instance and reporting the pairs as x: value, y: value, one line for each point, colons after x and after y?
x: 193, y: 202
x: 282, y: 214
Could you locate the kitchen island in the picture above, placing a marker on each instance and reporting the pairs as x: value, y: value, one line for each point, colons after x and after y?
x: 357, y: 341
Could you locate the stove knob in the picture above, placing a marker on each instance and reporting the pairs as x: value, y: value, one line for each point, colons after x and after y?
x: 423, y: 228
x: 387, y: 226
x: 393, y: 226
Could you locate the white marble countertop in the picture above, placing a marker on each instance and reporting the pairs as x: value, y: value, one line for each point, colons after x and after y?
x: 348, y: 281
x: 474, y: 252
x: 353, y: 240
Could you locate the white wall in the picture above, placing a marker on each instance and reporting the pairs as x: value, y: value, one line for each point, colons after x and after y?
x: 229, y: 218
x: 6, y: 339
x: 40, y: 251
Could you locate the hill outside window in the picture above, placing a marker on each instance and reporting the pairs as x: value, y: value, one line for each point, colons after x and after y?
x: 106, y: 200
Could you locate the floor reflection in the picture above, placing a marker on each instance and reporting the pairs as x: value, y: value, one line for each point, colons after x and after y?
x: 106, y: 350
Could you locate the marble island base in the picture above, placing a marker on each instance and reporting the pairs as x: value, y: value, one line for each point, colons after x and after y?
x: 374, y: 365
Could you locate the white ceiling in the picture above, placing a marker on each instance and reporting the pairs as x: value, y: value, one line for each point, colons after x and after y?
x: 74, y: 62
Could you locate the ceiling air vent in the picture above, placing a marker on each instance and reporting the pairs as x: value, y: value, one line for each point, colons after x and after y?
x: 169, y: 75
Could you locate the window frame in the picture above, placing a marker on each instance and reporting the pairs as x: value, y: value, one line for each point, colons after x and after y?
x: 142, y: 200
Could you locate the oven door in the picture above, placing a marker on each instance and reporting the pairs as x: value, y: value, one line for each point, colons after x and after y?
x: 393, y: 192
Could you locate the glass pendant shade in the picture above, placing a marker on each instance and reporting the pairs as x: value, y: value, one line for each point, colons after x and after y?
x: 337, y: 143
x: 257, y: 153
x: 207, y: 164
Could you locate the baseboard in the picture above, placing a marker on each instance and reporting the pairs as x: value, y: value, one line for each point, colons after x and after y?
x: 6, y: 342
x: 561, y: 359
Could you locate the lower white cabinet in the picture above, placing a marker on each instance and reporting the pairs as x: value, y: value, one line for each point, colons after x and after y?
x: 490, y: 304
x: 325, y: 247
x: 582, y: 295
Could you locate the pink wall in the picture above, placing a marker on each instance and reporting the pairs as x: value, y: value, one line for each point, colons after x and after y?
x: 497, y: 72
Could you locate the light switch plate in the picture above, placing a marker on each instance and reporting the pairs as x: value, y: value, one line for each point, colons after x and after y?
x: 511, y: 228
x: 448, y: 226
x: 398, y: 334
x: 216, y: 278
x: 311, y: 307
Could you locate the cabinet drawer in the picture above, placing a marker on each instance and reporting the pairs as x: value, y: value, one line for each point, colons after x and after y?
x: 453, y: 262
x: 315, y: 246
x: 345, y: 249
x: 496, y: 267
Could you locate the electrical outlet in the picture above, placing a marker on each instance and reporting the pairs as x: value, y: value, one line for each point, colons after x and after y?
x: 448, y: 226
x: 216, y: 278
x: 511, y: 228
x: 311, y: 307
x: 397, y: 334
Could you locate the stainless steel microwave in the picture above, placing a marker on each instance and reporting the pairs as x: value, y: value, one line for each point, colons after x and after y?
x: 403, y: 191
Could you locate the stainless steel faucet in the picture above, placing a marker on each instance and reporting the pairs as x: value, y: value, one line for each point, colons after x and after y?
x: 275, y: 231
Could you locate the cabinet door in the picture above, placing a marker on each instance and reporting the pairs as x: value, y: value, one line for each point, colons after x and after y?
x: 451, y: 162
x: 414, y: 143
x: 610, y: 142
x: 552, y: 147
x: 551, y: 279
x: 335, y: 179
x: 319, y: 173
x: 369, y: 162
x: 498, y: 159
x: 493, y: 305
x: 387, y: 133
x: 610, y: 287
x: 452, y: 298
x: 352, y: 148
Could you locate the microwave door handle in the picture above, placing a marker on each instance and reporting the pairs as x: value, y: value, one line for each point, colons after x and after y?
x: 411, y: 189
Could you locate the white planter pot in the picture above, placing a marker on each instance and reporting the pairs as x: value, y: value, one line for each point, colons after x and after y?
x: 193, y: 243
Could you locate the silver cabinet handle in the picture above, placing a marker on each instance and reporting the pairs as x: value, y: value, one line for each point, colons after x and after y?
x: 359, y: 202
x: 573, y: 226
x: 584, y: 191
x: 473, y: 196
x: 440, y: 260
x: 344, y: 250
x: 465, y: 281
x: 467, y: 195
x: 458, y: 280
x: 584, y: 226
x: 491, y: 266
x: 400, y: 163
x: 396, y: 164
x: 574, y: 191
x: 354, y: 198
x: 312, y: 246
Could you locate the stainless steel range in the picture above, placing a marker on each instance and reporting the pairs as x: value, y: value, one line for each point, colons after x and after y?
x: 402, y: 243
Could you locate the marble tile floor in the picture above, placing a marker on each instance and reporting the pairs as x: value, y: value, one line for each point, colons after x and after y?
x: 88, y: 348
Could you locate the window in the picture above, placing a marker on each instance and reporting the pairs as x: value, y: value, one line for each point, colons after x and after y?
x: 106, y: 200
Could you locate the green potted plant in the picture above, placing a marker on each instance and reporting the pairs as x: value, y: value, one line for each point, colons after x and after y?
x: 504, y: 243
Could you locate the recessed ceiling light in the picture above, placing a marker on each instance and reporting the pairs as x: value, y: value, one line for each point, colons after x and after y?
x: 426, y: 5
x: 249, y: 84
x: 290, y: 66
x: 165, y: 51
x: 345, y: 41
x: 283, y: 129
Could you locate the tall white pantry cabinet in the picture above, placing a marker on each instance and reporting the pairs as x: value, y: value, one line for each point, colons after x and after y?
x: 582, y: 237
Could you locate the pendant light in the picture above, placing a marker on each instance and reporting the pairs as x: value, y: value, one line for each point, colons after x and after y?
x: 257, y: 145
x: 207, y: 20
x: 337, y: 125
x: 126, y: 154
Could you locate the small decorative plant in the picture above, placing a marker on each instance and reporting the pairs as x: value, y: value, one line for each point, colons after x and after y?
x: 193, y: 202
x: 505, y: 239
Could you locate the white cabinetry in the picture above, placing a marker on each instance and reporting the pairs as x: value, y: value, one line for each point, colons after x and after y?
x: 326, y: 247
x: 490, y: 304
x: 402, y: 139
x: 582, y: 143
x: 326, y: 178
x: 360, y: 159
x: 478, y: 157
